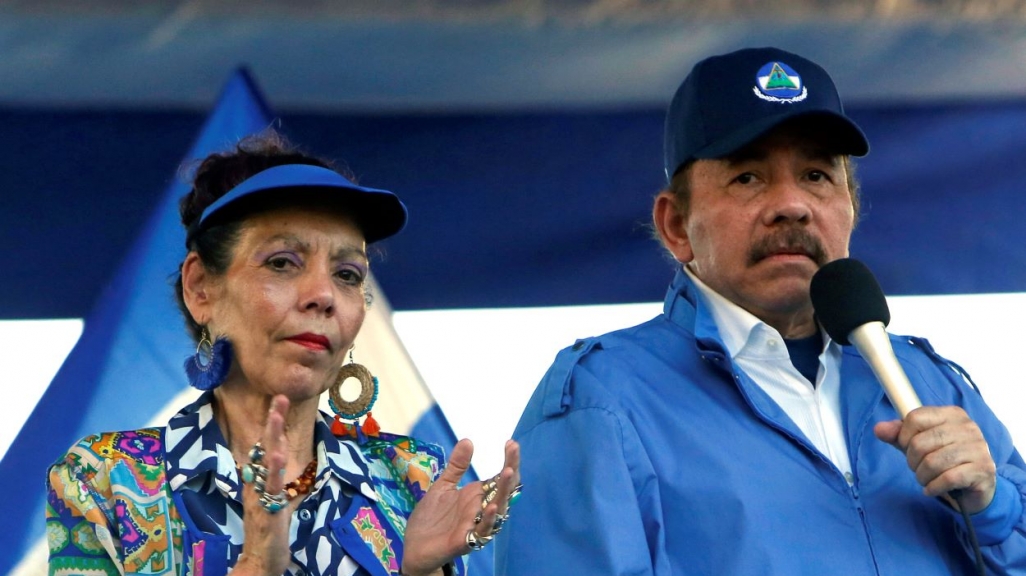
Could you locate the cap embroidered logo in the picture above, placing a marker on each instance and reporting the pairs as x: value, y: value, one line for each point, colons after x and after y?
x: 778, y: 82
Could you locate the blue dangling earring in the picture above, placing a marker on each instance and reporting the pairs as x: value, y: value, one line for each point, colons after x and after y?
x: 209, y: 374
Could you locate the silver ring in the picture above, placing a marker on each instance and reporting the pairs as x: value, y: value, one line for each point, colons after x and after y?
x: 514, y: 495
x: 477, y: 542
x: 273, y: 504
x: 255, y: 473
x: 500, y: 520
x: 256, y: 453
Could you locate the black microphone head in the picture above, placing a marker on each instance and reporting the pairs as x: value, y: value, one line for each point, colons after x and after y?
x: 846, y: 295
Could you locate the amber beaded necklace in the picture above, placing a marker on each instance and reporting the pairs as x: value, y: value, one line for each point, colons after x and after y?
x: 298, y: 486
x: 302, y: 484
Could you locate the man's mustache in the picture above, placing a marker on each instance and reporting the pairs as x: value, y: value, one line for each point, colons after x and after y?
x: 790, y: 240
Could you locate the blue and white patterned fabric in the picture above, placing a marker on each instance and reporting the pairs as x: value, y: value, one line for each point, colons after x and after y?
x: 166, y: 501
x: 202, y: 474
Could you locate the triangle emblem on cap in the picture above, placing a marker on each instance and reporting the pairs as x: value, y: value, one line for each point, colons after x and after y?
x: 778, y: 82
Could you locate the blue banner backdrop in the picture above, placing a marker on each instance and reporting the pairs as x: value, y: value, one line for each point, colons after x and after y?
x: 515, y: 209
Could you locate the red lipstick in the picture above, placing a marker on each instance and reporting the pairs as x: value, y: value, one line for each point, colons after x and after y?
x: 311, y: 341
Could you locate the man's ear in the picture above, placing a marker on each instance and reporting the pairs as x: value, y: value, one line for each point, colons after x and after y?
x: 669, y: 222
x: 197, y: 289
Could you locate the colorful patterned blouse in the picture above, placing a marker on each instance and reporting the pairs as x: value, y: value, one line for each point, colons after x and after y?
x: 167, y: 501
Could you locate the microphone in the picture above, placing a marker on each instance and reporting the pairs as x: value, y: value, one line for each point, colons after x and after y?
x: 852, y: 309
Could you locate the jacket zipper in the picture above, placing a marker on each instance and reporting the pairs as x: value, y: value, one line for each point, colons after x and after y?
x: 853, y: 490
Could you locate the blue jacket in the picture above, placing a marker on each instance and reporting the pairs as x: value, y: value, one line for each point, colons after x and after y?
x: 646, y: 451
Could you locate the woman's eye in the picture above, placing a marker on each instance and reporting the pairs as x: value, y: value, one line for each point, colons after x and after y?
x: 280, y: 263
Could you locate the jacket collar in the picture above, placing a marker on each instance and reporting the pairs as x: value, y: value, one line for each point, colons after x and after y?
x: 685, y: 308
x: 197, y: 454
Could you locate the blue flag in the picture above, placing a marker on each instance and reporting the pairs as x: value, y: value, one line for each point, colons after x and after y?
x: 126, y: 367
x: 127, y: 364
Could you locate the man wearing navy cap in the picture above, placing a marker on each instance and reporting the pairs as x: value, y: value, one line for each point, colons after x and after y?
x: 731, y: 435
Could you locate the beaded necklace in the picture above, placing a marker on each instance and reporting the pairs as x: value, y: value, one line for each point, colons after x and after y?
x: 302, y: 484
x: 298, y: 486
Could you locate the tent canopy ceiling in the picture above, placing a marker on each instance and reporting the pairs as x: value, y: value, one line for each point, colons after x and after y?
x: 489, y: 54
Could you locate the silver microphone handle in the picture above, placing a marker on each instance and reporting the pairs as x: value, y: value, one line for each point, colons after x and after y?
x: 872, y: 342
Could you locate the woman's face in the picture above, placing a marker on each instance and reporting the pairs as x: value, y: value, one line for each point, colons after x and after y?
x: 292, y: 300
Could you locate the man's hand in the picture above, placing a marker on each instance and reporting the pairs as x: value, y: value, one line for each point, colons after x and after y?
x: 947, y: 451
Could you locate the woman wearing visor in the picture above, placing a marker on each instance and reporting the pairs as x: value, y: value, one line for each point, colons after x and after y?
x: 253, y: 478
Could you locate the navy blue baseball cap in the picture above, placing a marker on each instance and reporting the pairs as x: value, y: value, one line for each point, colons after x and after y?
x: 728, y: 101
x: 378, y: 213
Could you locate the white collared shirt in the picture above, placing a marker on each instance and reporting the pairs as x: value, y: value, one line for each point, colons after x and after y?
x: 760, y: 351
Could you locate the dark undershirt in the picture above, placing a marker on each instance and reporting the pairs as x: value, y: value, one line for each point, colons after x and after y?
x: 804, y: 354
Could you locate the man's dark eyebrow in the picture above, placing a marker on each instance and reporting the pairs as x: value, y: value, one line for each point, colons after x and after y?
x: 831, y: 159
x: 820, y: 152
x: 746, y: 154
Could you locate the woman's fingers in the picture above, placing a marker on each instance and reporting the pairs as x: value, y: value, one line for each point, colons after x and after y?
x: 276, y: 445
x: 509, y: 478
x: 459, y: 463
x: 266, y: 521
x: 498, y: 492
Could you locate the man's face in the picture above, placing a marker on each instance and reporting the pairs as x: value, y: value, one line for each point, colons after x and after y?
x: 762, y: 221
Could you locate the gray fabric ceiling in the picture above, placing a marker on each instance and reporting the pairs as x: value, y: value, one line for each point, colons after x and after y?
x: 387, y: 55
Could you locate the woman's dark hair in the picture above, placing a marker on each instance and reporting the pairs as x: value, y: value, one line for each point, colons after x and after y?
x: 216, y: 175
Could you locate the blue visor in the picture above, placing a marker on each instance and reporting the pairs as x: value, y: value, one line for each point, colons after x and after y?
x: 378, y: 213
